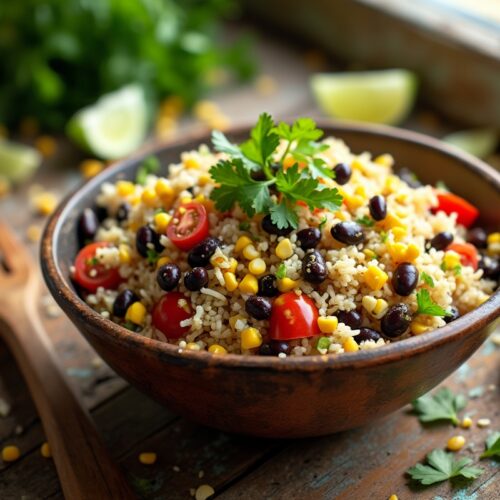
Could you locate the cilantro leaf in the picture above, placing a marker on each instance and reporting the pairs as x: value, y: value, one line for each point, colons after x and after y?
x: 322, y: 222
x: 443, y: 466
x: 283, y: 215
x: 263, y: 141
x: 427, y: 306
x: 244, y: 226
x: 221, y: 144
x: 281, y: 271
x: 365, y: 221
x: 444, y: 405
x: 150, y: 165
x: 492, y: 446
x: 426, y: 278
x: 152, y: 256
x: 323, y: 343
x: 301, y: 129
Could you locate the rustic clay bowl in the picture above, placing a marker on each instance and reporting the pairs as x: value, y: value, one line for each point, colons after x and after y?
x: 293, y: 397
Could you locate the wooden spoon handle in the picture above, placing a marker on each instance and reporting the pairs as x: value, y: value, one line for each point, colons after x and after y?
x: 85, y: 467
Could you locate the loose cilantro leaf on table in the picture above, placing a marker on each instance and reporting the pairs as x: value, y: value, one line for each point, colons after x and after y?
x: 426, y: 278
x: 442, y: 466
x: 150, y: 165
x: 427, y: 306
x: 492, y: 446
x: 443, y: 405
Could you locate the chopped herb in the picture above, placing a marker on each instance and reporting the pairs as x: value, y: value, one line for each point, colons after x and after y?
x: 443, y: 466
x: 130, y: 326
x: 322, y: 223
x: 244, y: 226
x: 383, y: 236
x: 443, y: 405
x: 152, y: 256
x: 457, y: 270
x: 160, y: 211
x: 281, y: 272
x: 427, y: 306
x: 323, y: 343
x: 365, y: 221
x: 492, y: 446
x: 442, y: 186
x: 427, y: 279
x: 150, y: 165
x: 92, y: 262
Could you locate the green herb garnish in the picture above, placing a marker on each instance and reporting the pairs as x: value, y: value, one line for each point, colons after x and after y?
x: 244, y: 226
x: 365, y: 221
x: 152, y: 256
x: 150, y: 165
x: 281, y: 272
x: 92, y: 262
x: 426, y: 278
x: 323, y: 343
x: 427, y: 306
x: 457, y: 270
x: 492, y: 446
x: 443, y: 466
x: 443, y: 405
x: 383, y: 236
x: 322, y: 223
x: 442, y: 186
x: 130, y: 326
x: 239, y: 185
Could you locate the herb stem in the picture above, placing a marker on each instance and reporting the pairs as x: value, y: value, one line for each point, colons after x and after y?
x: 287, y: 149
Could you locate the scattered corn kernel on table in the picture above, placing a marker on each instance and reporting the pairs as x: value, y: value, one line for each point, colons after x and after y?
x: 369, y: 462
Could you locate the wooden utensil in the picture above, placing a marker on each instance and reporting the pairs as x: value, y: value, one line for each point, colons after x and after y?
x: 86, y: 469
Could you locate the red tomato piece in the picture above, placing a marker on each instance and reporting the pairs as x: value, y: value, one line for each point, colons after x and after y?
x: 450, y: 203
x: 91, y: 275
x: 468, y: 254
x: 167, y: 315
x: 189, y: 226
x: 293, y: 317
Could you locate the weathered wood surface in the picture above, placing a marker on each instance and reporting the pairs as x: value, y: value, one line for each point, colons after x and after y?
x: 367, y: 462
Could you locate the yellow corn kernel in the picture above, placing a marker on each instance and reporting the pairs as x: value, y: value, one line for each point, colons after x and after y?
x: 90, y: 168
x: 249, y: 284
x: 287, y: 284
x: 393, y: 497
x: 284, y: 249
x: 191, y: 163
x: 369, y: 303
x: 164, y: 191
x: 386, y: 160
x: 493, y: 241
x: 250, y: 338
x: 358, y: 164
x: 234, y: 319
x: 162, y: 220
x: 392, y: 184
x: 350, y: 345
x: 162, y: 261
x: 391, y: 221
x: 380, y: 308
x: 328, y: 324
x: 233, y: 264
x: 243, y: 241
x: 124, y: 254
x: 397, y: 251
x: 193, y: 346
x: 46, y: 145
x: 493, y: 238
x: 399, y: 233
x: 412, y: 252
x: 135, y: 200
x: 200, y: 198
x: 204, y: 179
x: 455, y: 443
x: 230, y: 281
x: 361, y: 191
x: 45, y: 450
x: 186, y: 199
x: 370, y: 254
x: 10, y: 453
x: 45, y: 203
x: 341, y: 215
x: 147, y: 458
x: 136, y: 313
x: 375, y: 278
x: 34, y: 233
x: 125, y: 188
x: 217, y: 349
x: 250, y: 252
x: 257, y: 266
x: 451, y: 259
x: 418, y: 328
x: 466, y: 423
x: 149, y: 197
x: 354, y: 201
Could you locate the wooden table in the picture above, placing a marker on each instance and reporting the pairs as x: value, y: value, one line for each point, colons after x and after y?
x: 364, y: 463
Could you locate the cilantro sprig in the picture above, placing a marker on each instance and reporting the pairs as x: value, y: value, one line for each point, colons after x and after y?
x: 426, y: 278
x: 425, y: 305
x: 492, y: 446
x: 238, y: 182
x: 444, y: 405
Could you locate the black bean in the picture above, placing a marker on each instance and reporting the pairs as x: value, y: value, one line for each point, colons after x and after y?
x: 405, y: 279
x: 267, y: 286
x: 353, y: 318
x: 396, y: 321
x: 87, y: 226
x: 478, y: 237
x: 201, y: 253
x: 258, y: 307
x: 441, y: 240
x: 453, y: 314
x: 343, y: 173
x: 309, y: 237
x: 490, y: 267
x: 271, y: 228
x: 168, y: 276
x: 123, y: 212
x: 378, y: 207
x: 314, y: 268
x: 367, y: 334
x: 349, y: 233
x: 101, y: 212
x: 274, y: 348
x: 123, y: 301
x: 196, y: 279
x: 145, y: 237
x: 405, y: 174
x: 265, y: 349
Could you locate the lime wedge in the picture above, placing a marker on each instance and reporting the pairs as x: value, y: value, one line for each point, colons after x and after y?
x: 17, y: 161
x: 384, y: 96
x: 114, y: 126
x: 480, y: 142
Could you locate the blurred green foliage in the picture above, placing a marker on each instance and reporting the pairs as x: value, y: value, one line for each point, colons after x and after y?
x: 57, y: 56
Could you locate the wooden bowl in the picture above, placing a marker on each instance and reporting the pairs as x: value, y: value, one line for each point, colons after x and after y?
x: 296, y: 396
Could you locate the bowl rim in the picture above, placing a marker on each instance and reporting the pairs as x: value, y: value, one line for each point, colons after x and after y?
x: 72, y: 304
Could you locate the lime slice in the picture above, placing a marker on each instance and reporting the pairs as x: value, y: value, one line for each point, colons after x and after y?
x: 17, y: 161
x: 114, y: 126
x: 384, y: 96
x: 480, y: 142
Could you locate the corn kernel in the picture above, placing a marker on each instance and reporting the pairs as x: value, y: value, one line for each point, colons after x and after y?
x: 455, y: 443
x: 136, y: 313
x: 191, y: 163
x: 46, y: 145
x: 124, y: 254
x: 162, y: 220
x: 369, y: 303
x: 230, y: 281
x: 354, y: 201
x: 358, y: 164
x: 45, y: 450
x: 250, y: 338
x: 125, y: 188
x: 375, y: 278
x: 284, y: 249
x: 418, y: 328
x: 257, y: 266
x: 287, y: 284
x: 249, y: 284
x: 234, y: 319
x: 90, y: 168
x: 397, y: 251
x: 204, y: 179
x: 233, y: 264
x: 328, y: 324
x: 162, y: 261
x: 380, y: 308
x: 10, y: 453
x: 217, y: 349
x: 399, y: 233
x: 370, y: 254
x: 250, y: 252
x: 350, y: 345
x: 451, y: 259
x: 385, y: 160
x: 466, y: 423
x: 493, y: 238
x: 412, y: 252
x: 200, y: 198
x: 186, y: 199
x: 149, y: 197
x: 393, y: 497
x: 392, y: 184
x: 45, y: 203
x: 147, y: 458
x: 243, y: 241
x: 361, y: 191
x: 493, y: 241
x: 391, y: 221
x: 165, y: 192
x: 193, y: 346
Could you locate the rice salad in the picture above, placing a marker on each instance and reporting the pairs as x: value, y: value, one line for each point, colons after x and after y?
x: 286, y: 245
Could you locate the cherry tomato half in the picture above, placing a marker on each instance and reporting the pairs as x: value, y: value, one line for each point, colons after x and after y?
x: 189, y: 226
x: 91, y: 275
x: 167, y: 315
x: 293, y: 317
x: 468, y: 254
x: 449, y: 203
